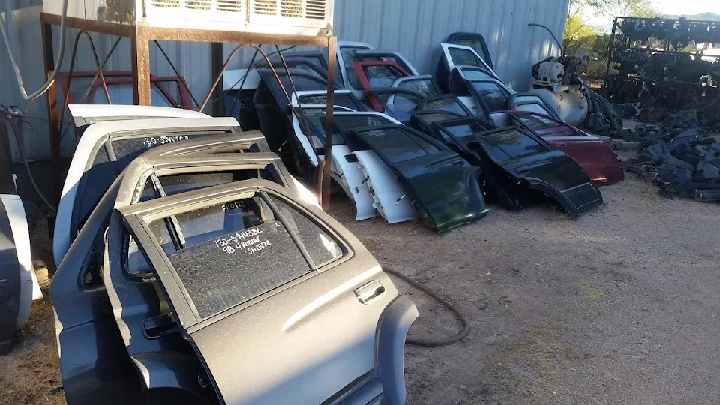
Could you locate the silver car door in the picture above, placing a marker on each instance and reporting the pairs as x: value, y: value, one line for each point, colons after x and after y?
x: 290, y: 304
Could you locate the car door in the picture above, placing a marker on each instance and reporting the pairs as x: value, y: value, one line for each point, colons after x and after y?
x: 346, y: 55
x: 473, y: 40
x: 528, y: 102
x: 341, y: 98
x: 18, y: 283
x: 376, y: 183
x: 94, y: 362
x: 453, y: 56
x: 105, y: 150
x: 592, y: 154
x: 290, y: 305
x: 389, y: 56
x: 432, y: 174
x: 86, y: 114
x: 377, y: 74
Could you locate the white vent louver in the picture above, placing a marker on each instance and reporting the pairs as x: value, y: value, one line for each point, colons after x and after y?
x: 235, y: 6
x: 298, y: 17
x: 291, y: 9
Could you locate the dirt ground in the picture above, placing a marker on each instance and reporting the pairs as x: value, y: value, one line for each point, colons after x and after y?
x: 618, y: 307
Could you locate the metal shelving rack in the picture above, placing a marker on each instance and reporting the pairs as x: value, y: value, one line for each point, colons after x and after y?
x: 140, y: 37
x: 670, y: 33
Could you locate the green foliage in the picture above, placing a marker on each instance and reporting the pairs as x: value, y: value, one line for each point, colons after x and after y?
x: 631, y: 8
x: 581, y: 37
x: 578, y: 35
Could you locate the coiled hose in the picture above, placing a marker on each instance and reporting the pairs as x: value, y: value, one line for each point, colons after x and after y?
x: 434, y: 343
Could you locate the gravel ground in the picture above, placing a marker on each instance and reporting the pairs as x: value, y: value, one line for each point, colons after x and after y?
x: 618, y: 307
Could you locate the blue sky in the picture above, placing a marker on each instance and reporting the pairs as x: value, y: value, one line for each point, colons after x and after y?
x: 673, y: 7
x: 687, y: 6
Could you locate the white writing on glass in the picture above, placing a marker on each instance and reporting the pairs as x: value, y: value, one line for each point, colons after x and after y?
x: 248, y: 240
x: 164, y: 139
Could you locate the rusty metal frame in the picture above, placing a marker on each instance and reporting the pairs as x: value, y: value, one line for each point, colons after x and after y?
x: 140, y: 37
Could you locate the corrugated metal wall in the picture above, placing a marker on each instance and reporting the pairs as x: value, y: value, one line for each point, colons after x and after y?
x: 412, y: 27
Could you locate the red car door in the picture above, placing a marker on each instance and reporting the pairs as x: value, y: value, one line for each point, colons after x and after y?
x: 595, y: 157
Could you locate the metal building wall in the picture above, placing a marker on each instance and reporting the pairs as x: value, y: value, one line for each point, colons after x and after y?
x: 412, y: 27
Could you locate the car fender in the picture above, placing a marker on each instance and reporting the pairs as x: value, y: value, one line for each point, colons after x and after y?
x: 170, y: 370
x: 393, y: 328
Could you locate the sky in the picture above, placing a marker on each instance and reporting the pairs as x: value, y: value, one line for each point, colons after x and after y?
x: 687, y: 6
x: 671, y: 7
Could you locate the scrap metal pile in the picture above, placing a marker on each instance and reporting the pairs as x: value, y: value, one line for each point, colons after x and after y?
x: 682, y: 162
x: 656, y: 65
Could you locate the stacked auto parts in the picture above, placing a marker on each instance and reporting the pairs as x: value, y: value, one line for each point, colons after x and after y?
x: 659, y: 65
x: 201, y: 239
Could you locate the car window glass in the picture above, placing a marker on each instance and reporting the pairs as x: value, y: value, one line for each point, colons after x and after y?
x: 471, y: 43
x: 536, y: 122
x: 351, y: 122
x: 250, y: 250
x: 476, y: 74
x: 135, y: 264
x: 464, y: 57
x: 437, y: 117
x: 341, y: 99
x: 538, y: 108
x: 424, y: 121
x: 315, y: 119
x: 126, y: 149
x: 495, y: 98
x: 398, y: 145
x: 382, y: 76
x: 350, y: 56
x: 123, y: 94
x: 181, y: 183
x: 464, y: 133
x: 321, y: 247
x: 422, y: 86
x: 512, y: 144
x: 406, y: 103
x: 448, y: 104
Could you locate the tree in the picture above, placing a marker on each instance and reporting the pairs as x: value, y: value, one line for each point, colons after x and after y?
x: 579, y: 35
x: 632, y: 8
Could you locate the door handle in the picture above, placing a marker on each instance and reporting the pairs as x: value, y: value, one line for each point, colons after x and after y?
x: 369, y: 291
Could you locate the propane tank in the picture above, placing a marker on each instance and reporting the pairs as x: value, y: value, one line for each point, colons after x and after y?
x: 564, y: 96
x: 568, y: 102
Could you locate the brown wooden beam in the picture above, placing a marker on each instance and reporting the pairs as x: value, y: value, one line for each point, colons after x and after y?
x: 329, y: 108
x: 216, y: 65
x: 52, y: 112
x: 140, y: 57
x: 123, y: 30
